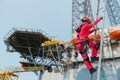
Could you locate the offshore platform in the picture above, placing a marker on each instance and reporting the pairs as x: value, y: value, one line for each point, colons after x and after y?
x: 42, y: 54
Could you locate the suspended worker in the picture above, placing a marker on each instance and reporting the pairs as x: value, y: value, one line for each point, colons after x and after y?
x: 82, y: 43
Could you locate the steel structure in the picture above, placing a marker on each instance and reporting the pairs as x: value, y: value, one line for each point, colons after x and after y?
x: 37, y: 49
x: 80, y: 8
x: 113, y: 10
x: 7, y: 75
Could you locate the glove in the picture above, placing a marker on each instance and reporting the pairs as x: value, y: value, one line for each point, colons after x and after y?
x: 101, y: 17
x: 75, y: 55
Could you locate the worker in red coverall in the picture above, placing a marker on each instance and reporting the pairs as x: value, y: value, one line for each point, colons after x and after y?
x: 82, y: 43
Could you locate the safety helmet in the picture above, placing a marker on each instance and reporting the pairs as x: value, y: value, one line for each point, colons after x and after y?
x: 86, y: 19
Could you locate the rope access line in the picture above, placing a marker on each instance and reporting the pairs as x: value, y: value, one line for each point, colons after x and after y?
x: 96, y: 18
x: 101, y: 42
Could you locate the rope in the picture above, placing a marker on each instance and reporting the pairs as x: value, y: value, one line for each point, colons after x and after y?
x: 92, y: 18
x: 96, y: 18
x: 101, y: 42
x: 98, y: 8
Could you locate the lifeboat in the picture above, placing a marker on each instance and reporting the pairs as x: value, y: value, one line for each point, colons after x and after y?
x: 115, y: 34
x: 91, y: 37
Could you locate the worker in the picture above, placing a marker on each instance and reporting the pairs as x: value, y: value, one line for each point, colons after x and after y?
x: 82, y: 43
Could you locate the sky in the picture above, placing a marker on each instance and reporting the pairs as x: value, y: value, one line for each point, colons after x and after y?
x: 52, y: 16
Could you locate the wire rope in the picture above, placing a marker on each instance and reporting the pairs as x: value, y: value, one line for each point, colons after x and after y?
x: 101, y: 42
x: 96, y: 18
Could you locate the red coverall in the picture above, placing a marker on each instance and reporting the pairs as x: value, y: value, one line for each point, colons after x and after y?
x: 82, y: 40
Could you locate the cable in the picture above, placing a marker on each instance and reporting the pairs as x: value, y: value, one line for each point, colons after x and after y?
x: 101, y: 42
x: 96, y: 18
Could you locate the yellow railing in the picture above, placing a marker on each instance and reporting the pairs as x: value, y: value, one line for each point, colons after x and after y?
x: 8, y: 73
x: 20, y: 69
x: 52, y: 42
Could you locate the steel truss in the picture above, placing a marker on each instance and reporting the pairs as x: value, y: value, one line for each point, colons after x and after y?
x: 113, y: 10
x: 80, y: 8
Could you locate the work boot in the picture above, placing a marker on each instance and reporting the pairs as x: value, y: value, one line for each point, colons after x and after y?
x: 93, y: 59
x: 92, y: 70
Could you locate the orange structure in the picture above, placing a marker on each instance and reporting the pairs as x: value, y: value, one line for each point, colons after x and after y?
x: 114, y: 34
x: 91, y: 37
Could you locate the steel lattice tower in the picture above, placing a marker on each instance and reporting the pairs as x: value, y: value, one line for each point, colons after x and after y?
x: 80, y: 8
x: 113, y: 11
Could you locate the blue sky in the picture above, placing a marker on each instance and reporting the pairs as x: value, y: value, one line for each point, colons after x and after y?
x: 52, y: 16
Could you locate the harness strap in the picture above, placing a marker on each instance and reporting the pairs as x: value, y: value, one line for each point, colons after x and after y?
x: 84, y: 44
